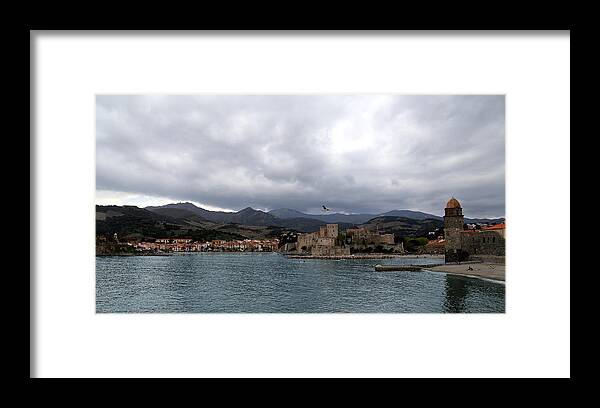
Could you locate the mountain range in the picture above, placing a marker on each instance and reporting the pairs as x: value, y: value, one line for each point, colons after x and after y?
x: 257, y: 217
x: 187, y: 219
x: 286, y: 213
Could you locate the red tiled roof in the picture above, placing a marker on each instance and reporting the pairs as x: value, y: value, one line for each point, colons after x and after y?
x: 495, y: 227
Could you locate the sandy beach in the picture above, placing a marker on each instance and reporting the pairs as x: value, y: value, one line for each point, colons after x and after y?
x: 481, y: 270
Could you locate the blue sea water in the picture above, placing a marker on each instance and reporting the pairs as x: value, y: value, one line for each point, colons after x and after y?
x: 271, y: 283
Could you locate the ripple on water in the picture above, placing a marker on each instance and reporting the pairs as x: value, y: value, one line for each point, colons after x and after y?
x: 270, y: 282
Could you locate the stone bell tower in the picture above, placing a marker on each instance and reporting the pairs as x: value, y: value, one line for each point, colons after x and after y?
x: 453, y: 227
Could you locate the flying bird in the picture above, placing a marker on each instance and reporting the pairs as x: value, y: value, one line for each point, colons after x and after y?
x: 325, y: 208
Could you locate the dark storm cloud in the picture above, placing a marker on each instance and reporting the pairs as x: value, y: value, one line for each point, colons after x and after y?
x: 370, y: 153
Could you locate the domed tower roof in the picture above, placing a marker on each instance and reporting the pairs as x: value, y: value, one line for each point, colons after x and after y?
x: 453, y: 203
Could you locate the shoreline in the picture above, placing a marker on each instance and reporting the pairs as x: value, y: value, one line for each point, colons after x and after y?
x: 288, y: 255
x: 363, y: 256
x: 173, y: 253
x: 484, y: 270
x: 131, y: 254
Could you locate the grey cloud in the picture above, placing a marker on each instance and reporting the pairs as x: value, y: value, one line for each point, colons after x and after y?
x: 355, y: 153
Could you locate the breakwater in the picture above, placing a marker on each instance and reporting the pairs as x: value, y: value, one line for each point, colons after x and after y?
x: 383, y: 268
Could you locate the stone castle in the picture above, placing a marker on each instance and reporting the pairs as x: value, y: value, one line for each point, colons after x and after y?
x: 362, y: 238
x: 322, y: 242
x: 460, y: 244
x: 329, y: 242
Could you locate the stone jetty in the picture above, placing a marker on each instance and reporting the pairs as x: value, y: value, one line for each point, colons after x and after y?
x: 383, y: 268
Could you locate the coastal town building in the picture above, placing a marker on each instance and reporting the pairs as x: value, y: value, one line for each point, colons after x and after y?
x: 433, y: 246
x: 460, y: 243
x: 189, y: 245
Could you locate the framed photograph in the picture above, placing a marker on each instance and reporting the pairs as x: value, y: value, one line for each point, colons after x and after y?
x: 216, y: 204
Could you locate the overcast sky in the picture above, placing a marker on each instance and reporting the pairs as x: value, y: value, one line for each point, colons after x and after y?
x: 352, y: 153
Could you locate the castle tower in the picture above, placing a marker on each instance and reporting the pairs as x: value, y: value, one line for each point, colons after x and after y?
x: 453, y: 227
x: 332, y: 230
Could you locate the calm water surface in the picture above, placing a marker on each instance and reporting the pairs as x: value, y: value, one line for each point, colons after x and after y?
x: 269, y: 282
